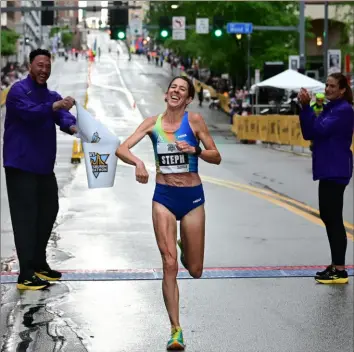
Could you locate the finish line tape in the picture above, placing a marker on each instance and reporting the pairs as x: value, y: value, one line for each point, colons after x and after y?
x: 208, y: 273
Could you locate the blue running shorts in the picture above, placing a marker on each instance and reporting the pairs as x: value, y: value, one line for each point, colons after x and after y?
x: 179, y: 200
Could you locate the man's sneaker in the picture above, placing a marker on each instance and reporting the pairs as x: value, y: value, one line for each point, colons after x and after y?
x: 333, y: 276
x: 176, y: 342
x: 179, y: 242
x: 34, y: 283
x: 321, y: 273
x: 49, y: 274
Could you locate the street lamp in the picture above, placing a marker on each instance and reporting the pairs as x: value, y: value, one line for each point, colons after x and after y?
x: 174, y: 6
x: 238, y: 36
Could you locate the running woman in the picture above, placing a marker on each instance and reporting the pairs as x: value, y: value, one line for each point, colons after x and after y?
x: 179, y: 194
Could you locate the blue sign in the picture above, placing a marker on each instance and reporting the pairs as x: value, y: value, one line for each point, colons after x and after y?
x: 239, y: 28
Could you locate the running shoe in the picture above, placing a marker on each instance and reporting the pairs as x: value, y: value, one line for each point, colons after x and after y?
x: 320, y: 273
x: 176, y: 342
x: 48, y: 274
x: 333, y: 276
x: 179, y: 242
x: 34, y: 283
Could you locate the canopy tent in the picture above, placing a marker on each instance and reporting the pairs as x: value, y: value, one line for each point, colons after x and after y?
x: 292, y: 80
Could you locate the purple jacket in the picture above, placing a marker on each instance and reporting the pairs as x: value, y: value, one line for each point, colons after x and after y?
x: 332, y: 133
x: 30, y: 134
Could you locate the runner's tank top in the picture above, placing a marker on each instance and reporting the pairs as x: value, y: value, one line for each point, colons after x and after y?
x: 169, y: 160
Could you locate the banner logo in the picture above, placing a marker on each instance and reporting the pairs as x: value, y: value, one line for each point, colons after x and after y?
x: 98, y: 163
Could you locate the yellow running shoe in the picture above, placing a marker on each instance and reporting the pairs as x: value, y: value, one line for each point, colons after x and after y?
x: 183, y: 261
x: 176, y: 342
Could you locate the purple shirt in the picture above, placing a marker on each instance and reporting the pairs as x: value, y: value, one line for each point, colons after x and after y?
x: 30, y: 134
x: 332, y: 133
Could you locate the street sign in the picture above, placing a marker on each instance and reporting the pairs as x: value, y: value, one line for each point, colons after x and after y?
x: 202, y: 25
x: 239, y: 28
x: 178, y: 22
x: 136, y: 26
x: 178, y: 34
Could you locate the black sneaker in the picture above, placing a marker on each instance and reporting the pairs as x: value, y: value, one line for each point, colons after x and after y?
x: 48, y: 274
x: 333, y: 276
x: 321, y: 273
x: 34, y: 283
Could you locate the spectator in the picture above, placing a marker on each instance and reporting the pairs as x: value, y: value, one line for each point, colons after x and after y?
x: 332, y: 165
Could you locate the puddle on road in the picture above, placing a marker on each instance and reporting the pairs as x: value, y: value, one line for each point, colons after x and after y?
x: 36, y: 323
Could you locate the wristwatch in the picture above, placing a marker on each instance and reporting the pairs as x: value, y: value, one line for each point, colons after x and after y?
x: 198, y: 150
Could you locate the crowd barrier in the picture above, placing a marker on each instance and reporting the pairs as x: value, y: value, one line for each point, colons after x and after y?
x: 3, y: 96
x: 277, y: 129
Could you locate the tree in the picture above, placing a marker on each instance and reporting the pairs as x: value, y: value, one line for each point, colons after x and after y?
x: 226, y: 54
x: 8, y: 42
x: 66, y: 34
x: 345, y: 14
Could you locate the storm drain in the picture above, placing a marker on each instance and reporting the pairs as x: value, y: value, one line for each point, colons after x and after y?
x: 209, y: 273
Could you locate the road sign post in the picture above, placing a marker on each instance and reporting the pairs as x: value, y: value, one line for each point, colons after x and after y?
x: 202, y: 26
x: 239, y: 28
x: 178, y: 28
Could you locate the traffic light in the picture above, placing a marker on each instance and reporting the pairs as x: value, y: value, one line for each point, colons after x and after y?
x: 218, y: 27
x: 118, y: 21
x: 118, y: 33
x: 47, y: 18
x: 164, y: 27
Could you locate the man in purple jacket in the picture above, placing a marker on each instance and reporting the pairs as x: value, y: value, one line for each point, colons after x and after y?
x: 29, y: 153
x: 332, y: 165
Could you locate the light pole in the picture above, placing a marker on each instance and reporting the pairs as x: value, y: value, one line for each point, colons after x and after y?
x: 302, y: 35
x: 248, y: 61
x: 325, y: 41
x: 24, y: 36
x: 239, y: 37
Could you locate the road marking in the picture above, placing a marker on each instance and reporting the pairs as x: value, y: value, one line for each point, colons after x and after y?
x: 270, y: 197
x: 279, y: 196
x: 263, y: 194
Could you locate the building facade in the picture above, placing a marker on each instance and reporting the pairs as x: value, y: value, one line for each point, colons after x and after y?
x: 338, y: 17
x: 28, y: 26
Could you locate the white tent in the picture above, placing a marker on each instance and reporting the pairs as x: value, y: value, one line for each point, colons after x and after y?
x: 291, y: 80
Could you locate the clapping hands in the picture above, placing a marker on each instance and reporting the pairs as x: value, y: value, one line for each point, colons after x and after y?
x: 304, y: 97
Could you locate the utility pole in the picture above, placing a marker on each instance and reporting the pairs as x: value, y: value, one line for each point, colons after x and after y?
x: 325, y: 41
x: 24, y: 36
x: 302, y: 35
x: 248, y: 61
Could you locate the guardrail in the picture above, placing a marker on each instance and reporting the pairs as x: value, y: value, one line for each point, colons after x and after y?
x: 277, y: 129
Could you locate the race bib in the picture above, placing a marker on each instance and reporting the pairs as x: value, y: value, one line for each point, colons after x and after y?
x: 171, y: 160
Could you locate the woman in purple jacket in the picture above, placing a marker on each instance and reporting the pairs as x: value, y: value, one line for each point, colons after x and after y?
x: 332, y: 165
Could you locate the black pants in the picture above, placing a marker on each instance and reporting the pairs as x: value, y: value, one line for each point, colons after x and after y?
x: 33, y: 201
x: 330, y: 196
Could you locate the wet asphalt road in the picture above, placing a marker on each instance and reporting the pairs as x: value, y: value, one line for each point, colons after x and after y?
x: 111, y: 229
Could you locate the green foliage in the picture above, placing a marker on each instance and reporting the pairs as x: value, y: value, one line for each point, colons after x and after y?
x: 66, y: 34
x: 226, y: 53
x: 8, y: 42
x: 345, y: 14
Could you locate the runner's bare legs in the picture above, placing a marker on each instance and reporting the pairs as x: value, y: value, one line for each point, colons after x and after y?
x: 192, y: 229
x: 165, y: 227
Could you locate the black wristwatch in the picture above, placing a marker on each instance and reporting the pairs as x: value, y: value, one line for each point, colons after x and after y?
x: 198, y: 150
